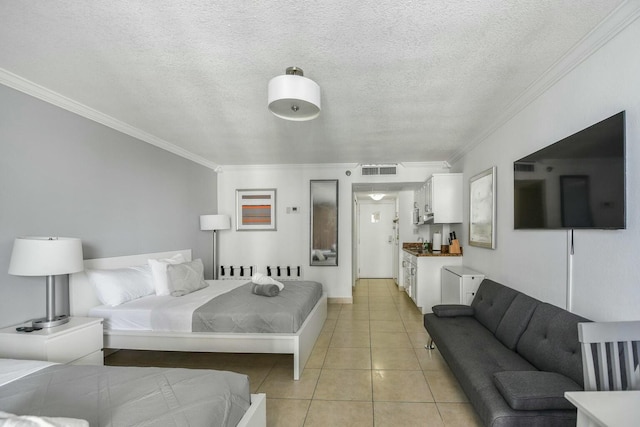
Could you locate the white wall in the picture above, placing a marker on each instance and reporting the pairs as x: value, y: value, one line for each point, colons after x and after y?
x: 605, y: 265
x: 289, y: 245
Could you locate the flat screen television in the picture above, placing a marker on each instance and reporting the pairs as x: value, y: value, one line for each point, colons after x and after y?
x: 575, y: 183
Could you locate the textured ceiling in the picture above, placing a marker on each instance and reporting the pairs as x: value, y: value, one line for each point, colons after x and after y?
x: 401, y: 80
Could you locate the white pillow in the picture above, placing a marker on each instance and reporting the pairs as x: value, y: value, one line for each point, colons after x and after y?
x: 117, y: 286
x: 186, y: 277
x: 159, y: 272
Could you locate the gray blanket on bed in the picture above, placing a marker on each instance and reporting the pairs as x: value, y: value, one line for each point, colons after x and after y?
x: 121, y: 396
x: 239, y: 310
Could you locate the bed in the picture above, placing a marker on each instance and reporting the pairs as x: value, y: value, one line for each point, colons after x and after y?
x: 299, y: 343
x: 67, y: 395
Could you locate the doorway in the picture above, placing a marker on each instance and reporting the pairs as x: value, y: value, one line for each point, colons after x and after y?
x: 376, y: 238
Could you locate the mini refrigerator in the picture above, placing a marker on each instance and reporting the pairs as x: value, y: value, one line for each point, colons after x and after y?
x: 459, y: 284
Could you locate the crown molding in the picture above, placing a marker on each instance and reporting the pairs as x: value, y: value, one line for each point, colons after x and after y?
x: 612, y: 25
x: 20, y: 84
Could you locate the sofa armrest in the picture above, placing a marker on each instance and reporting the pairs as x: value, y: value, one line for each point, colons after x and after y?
x: 534, y: 390
x: 452, y: 310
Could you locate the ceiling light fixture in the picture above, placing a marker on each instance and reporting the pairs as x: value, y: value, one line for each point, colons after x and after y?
x: 293, y: 96
x: 376, y: 196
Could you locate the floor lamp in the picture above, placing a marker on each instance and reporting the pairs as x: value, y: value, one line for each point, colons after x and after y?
x: 47, y: 256
x: 214, y: 223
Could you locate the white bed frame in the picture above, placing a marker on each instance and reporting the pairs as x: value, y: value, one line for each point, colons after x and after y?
x: 256, y: 415
x: 82, y: 297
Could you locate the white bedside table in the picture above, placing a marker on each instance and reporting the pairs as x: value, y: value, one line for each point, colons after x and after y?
x: 78, y: 342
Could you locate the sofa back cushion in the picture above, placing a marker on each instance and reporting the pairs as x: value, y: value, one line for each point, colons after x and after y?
x: 491, y: 302
x: 515, y: 320
x: 550, y: 342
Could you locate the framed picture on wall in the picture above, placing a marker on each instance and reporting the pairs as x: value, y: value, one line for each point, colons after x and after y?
x: 256, y: 210
x: 482, y: 209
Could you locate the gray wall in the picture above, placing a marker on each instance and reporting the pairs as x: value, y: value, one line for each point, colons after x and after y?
x: 64, y: 175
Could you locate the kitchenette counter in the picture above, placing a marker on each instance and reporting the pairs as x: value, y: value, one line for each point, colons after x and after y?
x: 415, y: 249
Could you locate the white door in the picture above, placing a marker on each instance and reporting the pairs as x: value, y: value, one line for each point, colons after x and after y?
x: 375, y: 250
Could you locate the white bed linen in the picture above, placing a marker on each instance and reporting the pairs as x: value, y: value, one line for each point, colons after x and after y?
x: 13, y: 369
x: 161, y: 313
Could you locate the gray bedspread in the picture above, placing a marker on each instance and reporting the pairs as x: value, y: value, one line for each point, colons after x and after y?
x: 240, y: 310
x: 121, y: 396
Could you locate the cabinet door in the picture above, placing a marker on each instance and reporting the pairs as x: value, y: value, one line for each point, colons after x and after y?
x: 446, y: 198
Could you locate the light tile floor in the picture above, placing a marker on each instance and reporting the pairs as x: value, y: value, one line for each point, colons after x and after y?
x: 368, y: 367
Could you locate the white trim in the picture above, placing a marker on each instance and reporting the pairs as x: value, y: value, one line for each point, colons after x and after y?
x: 612, y: 25
x: 23, y: 85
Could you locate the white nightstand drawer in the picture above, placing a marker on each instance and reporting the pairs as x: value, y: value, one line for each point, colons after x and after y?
x: 69, y: 347
x: 80, y: 338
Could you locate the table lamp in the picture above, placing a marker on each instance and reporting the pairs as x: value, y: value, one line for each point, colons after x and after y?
x: 214, y: 223
x: 47, y: 256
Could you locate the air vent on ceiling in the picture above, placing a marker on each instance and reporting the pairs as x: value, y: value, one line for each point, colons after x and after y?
x: 524, y: 167
x: 379, y: 169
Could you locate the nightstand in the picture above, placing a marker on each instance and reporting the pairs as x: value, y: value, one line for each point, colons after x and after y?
x: 78, y: 342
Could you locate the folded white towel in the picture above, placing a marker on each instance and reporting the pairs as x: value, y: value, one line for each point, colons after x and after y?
x: 261, y: 279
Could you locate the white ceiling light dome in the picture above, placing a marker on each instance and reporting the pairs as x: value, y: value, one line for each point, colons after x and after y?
x: 293, y: 96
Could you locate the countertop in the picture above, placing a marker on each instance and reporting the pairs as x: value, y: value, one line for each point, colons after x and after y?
x: 415, y: 249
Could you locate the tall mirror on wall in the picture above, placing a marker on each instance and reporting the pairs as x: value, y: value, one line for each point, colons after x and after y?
x: 324, y: 222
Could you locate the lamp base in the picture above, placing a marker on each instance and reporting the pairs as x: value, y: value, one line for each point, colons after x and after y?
x: 46, y: 323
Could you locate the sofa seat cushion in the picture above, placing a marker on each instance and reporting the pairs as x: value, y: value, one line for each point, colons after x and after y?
x: 534, y: 390
x: 471, y: 349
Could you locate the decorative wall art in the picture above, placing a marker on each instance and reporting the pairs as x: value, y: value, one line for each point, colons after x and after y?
x: 482, y: 209
x: 256, y: 210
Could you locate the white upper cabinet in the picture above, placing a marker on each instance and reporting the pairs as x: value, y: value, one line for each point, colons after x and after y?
x: 442, y: 197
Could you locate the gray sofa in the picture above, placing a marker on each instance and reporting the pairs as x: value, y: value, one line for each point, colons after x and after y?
x: 513, y: 355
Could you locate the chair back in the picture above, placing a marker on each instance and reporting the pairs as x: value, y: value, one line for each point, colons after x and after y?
x: 610, y: 353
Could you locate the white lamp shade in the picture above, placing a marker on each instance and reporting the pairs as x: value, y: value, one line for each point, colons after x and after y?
x: 214, y: 222
x: 46, y: 256
x: 293, y: 97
